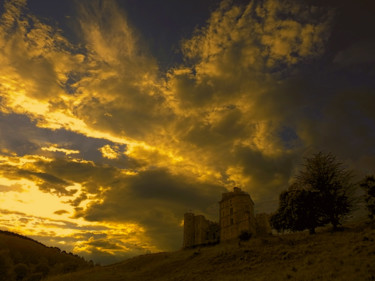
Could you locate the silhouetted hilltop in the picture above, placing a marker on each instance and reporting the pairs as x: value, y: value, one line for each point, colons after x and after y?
x: 22, y: 258
x: 345, y: 255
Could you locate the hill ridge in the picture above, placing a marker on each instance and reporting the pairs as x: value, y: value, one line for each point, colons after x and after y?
x: 23, y: 258
x: 343, y: 255
x: 6, y: 232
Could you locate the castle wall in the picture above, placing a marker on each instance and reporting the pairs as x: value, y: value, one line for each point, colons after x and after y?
x: 199, y: 231
x: 201, y: 228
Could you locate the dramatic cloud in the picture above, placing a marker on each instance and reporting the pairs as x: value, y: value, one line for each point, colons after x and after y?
x: 102, y: 152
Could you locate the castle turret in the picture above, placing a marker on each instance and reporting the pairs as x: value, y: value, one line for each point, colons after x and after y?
x: 236, y: 214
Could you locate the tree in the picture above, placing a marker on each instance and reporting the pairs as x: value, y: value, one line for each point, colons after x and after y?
x: 298, y: 210
x: 323, y: 174
x: 321, y: 194
x: 368, y: 184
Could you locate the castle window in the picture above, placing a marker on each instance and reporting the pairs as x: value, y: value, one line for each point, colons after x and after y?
x: 231, y: 221
x: 231, y: 211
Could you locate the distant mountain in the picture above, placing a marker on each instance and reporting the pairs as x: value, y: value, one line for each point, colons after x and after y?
x: 345, y: 255
x: 24, y: 259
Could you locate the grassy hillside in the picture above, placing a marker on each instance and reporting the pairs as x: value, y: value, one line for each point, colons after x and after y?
x: 22, y: 258
x: 345, y: 255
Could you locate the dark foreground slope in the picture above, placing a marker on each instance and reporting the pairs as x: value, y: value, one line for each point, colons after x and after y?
x: 22, y: 258
x: 345, y: 255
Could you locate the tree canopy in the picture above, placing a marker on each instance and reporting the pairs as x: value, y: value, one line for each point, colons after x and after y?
x: 298, y: 210
x: 321, y: 194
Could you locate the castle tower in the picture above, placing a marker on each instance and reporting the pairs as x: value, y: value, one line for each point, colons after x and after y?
x: 236, y: 214
x: 189, y: 230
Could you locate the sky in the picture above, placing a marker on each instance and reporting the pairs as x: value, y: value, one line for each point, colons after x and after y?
x: 117, y: 117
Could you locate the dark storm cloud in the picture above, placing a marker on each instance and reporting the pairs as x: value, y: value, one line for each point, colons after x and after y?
x: 350, y: 116
x: 45, y: 181
x: 50, y: 183
x: 269, y: 173
x: 56, y: 175
x: 203, y: 134
x: 18, y: 134
x: 285, y: 86
x: 164, y: 194
x: 61, y: 212
x: 164, y: 197
x: 86, y: 230
x: 22, y: 136
x: 3, y: 211
x: 358, y: 53
x: 103, y: 243
x: 163, y: 30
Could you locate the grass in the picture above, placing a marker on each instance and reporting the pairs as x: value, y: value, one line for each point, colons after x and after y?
x: 344, y: 255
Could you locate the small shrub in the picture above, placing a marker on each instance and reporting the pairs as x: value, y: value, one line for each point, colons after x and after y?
x: 245, y: 236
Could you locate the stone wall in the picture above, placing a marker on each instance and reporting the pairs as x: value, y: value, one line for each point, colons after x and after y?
x: 189, y: 230
x: 199, y: 231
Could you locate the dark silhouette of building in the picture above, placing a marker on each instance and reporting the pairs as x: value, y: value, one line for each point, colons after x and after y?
x: 236, y: 217
x: 199, y: 231
x: 236, y: 214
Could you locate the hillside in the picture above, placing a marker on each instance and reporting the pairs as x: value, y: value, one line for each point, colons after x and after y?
x: 22, y: 258
x: 345, y: 255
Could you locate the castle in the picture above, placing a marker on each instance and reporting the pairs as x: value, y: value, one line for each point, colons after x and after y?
x: 236, y: 217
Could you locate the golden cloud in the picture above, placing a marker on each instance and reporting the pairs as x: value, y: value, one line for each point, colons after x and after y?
x: 110, y: 152
x: 55, y: 148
